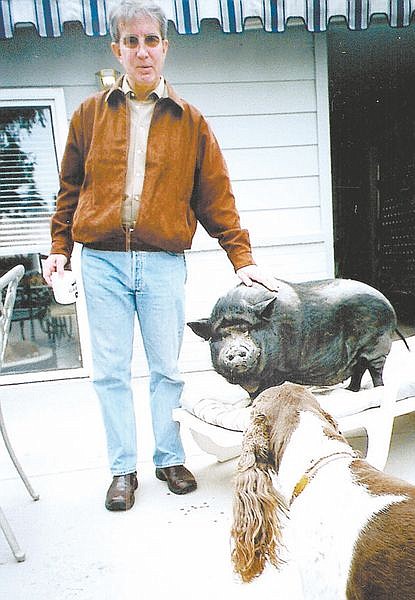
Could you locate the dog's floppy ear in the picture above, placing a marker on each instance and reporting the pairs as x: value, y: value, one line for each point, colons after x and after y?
x: 257, y: 506
x: 202, y: 328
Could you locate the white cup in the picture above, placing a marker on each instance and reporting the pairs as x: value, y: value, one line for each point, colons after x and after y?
x: 64, y: 287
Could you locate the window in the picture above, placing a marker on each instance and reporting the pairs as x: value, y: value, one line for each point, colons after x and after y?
x: 29, y: 159
x: 44, y: 335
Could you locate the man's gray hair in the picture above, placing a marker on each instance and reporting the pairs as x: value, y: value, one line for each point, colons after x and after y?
x: 129, y: 10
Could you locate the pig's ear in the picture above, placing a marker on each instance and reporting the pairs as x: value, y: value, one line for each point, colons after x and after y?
x: 264, y: 309
x: 202, y: 328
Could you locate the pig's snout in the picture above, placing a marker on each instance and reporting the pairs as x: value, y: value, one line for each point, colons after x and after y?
x: 239, y: 356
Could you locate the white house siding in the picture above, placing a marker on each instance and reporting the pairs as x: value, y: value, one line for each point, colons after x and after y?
x: 266, y: 97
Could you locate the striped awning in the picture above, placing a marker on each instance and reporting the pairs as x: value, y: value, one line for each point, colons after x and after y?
x: 49, y: 16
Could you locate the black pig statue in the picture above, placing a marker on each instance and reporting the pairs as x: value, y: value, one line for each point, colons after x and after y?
x: 312, y: 333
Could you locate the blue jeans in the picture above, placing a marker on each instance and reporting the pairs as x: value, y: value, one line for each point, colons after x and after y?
x: 117, y: 286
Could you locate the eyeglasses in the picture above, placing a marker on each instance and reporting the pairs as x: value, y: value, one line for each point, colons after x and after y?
x: 133, y: 41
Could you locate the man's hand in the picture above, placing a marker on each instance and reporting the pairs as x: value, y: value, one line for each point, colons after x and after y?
x: 252, y: 273
x: 54, y: 262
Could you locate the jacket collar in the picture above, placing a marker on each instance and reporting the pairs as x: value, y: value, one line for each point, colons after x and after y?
x: 116, y: 93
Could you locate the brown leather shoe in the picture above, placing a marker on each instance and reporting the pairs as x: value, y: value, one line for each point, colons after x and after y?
x: 179, y: 479
x: 120, y: 495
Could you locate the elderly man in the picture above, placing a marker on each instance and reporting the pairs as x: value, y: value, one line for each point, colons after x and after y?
x: 141, y: 167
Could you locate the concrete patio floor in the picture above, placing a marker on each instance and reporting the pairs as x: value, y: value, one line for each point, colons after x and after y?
x: 166, y: 546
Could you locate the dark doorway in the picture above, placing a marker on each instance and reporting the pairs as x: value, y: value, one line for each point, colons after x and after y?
x: 372, y: 91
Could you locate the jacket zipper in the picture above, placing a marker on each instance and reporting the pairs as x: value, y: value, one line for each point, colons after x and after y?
x: 128, y: 231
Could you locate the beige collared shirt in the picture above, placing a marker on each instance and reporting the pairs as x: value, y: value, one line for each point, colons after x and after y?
x: 141, y: 112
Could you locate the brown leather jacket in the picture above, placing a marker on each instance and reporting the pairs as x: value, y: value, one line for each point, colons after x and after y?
x: 186, y: 181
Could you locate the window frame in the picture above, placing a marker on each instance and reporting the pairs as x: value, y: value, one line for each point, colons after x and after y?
x: 54, y: 98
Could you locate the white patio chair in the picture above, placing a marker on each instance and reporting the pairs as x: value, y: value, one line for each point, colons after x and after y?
x: 216, y: 419
x: 8, y: 287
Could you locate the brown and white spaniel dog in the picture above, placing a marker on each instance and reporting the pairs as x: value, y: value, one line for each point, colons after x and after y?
x: 300, y: 489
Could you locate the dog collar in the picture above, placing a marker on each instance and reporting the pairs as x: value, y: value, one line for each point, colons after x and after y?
x: 315, y: 467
